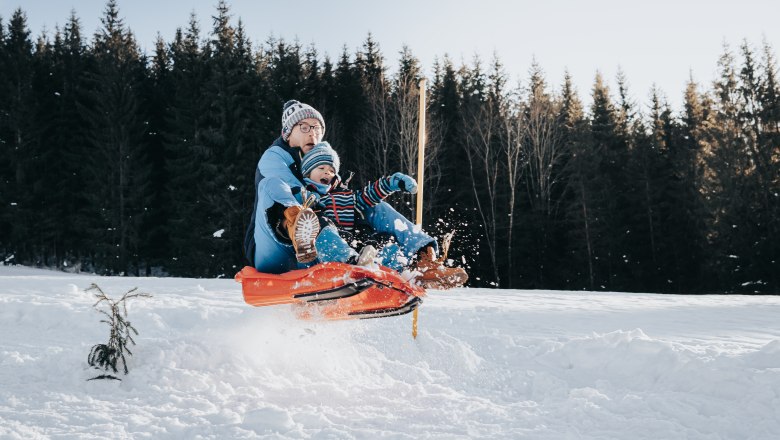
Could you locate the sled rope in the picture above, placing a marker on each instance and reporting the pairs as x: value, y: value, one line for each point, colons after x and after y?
x: 420, y: 179
x: 309, y: 201
x: 445, y: 245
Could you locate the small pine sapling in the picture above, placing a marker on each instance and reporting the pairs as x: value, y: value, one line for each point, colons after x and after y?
x: 108, y: 356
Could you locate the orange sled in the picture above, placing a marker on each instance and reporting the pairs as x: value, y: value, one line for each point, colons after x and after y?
x: 333, y: 291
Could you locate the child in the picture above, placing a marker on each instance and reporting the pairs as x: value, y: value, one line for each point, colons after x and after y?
x: 345, y: 208
x: 342, y: 206
x: 320, y: 168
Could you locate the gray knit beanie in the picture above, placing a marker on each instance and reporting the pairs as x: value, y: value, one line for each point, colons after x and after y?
x: 321, y: 154
x: 294, y: 112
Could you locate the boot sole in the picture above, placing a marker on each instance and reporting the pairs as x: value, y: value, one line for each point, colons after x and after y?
x: 307, y: 227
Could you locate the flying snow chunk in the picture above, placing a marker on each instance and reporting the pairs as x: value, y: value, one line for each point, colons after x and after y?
x: 218, y: 234
x: 400, y: 226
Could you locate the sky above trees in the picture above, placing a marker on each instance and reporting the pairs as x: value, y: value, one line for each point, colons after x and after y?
x: 663, y: 42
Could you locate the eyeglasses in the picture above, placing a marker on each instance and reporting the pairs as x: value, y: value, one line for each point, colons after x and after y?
x: 305, y: 128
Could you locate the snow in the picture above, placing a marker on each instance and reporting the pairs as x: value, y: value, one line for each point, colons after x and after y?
x: 400, y: 226
x: 505, y: 364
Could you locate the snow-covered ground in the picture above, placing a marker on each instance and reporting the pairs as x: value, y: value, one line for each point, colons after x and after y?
x: 486, y: 364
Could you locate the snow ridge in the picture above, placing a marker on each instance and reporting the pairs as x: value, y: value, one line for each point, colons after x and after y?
x: 487, y: 364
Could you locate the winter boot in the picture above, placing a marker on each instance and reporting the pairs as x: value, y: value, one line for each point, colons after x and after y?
x: 434, y: 274
x: 303, y: 227
x: 367, y: 255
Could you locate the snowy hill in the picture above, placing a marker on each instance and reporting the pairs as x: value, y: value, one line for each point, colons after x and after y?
x: 487, y: 364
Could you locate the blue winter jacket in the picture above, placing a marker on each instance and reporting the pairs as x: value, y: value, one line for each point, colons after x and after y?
x: 279, y: 173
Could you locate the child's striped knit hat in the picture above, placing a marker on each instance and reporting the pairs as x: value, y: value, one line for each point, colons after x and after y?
x: 321, y: 154
x: 294, y: 112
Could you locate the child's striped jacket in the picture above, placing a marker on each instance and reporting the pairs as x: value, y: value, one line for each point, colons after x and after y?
x: 342, y: 205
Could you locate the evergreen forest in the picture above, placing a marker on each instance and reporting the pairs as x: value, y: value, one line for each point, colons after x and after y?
x: 121, y: 162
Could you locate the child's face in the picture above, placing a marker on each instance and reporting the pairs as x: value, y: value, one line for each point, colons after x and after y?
x: 323, y: 174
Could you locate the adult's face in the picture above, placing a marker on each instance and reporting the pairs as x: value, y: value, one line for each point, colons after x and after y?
x: 306, y: 141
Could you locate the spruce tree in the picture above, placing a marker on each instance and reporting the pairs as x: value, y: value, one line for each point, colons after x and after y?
x: 375, y: 134
x: 650, y: 198
x: 228, y: 138
x: 686, y: 231
x: 445, y: 100
x: 769, y: 90
x: 579, y: 174
x: 5, y: 155
x: 343, y: 125
x: 760, y: 226
x: 57, y: 185
x: 45, y: 156
x: 118, y: 171
x: 186, y: 153
x: 311, y: 90
x: 608, y: 186
x: 17, y: 136
x: 72, y: 60
x: 728, y: 186
x: 280, y: 79
x: 286, y: 71
x: 326, y: 101
x: 445, y: 116
x: 158, y: 91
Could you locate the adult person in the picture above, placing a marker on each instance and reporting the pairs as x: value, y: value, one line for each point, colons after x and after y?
x: 281, y: 214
